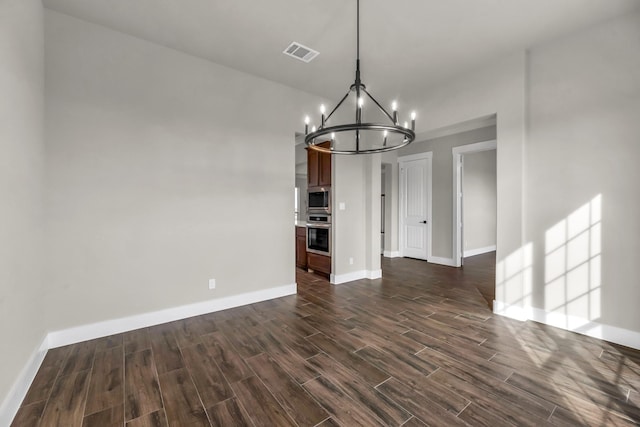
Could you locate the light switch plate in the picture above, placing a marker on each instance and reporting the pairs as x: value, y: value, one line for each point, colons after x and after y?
x: 342, y: 206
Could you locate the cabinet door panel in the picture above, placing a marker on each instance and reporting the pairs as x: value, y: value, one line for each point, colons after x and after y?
x: 324, y: 175
x: 313, y: 171
x: 301, y: 247
x: 319, y: 167
x: 319, y: 263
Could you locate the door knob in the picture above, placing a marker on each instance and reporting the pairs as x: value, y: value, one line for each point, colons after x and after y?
x: 424, y: 222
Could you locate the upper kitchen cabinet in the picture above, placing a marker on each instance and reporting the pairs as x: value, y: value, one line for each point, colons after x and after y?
x: 319, y: 167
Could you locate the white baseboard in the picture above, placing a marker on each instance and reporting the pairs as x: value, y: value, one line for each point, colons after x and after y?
x: 115, y: 326
x: 374, y: 274
x: 392, y: 254
x: 338, y: 279
x: 18, y: 391
x: 479, y: 251
x: 579, y: 325
x: 442, y: 261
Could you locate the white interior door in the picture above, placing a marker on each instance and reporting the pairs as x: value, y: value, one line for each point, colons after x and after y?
x: 415, y: 183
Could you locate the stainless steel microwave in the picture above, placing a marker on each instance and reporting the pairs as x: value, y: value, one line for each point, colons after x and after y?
x: 319, y: 200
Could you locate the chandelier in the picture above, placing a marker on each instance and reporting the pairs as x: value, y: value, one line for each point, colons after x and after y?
x: 360, y: 137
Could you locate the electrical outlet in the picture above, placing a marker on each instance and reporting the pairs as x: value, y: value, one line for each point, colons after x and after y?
x: 350, y: 261
x: 212, y: 283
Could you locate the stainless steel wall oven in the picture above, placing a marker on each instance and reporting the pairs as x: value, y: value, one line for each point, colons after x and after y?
x: 319, y: 234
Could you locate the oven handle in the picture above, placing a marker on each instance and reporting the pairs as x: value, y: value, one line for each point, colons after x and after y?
x: 318, y: 225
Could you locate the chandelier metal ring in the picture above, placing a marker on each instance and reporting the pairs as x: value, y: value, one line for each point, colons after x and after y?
x: 409, y: 136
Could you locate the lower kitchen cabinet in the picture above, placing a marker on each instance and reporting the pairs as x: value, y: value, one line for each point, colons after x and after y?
x: 319, y: 263
x: 301, y: 247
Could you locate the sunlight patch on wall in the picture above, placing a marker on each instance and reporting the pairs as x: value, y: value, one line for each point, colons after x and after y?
x: 572, y: 267
x: 514, y: 281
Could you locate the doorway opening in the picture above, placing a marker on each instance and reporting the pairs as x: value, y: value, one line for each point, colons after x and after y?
x: 474, y: 201
x: 475, y: 209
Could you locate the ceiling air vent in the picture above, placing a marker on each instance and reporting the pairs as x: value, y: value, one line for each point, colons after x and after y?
x: 298, y: 51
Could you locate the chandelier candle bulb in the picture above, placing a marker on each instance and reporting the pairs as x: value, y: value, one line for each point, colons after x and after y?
x: 322, y: 110
x: 384, y: 142
x: 406, y: 125
x: 306, y: 125
x: 394, y: 107
x: 413, y: 121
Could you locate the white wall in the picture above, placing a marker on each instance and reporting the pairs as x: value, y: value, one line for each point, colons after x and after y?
x: 479, y: 210
x: 391, y: 187
x: 163, y: 171
x: 301, y: 184
x: 567, y: 133
x: 372, y: 214
x: 356, y: 229
x: 348, y: 225
x: 301, y: 177
x: 582, y: 164
x: 21, y: 188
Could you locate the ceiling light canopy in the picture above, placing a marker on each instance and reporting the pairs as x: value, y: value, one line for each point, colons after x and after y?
x: 360, y: 136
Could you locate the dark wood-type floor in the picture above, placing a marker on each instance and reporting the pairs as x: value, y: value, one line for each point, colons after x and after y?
x: 480, y: 272
x: 417, y: 347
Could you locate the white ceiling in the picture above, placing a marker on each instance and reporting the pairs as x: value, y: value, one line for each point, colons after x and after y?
x: 406, y: 45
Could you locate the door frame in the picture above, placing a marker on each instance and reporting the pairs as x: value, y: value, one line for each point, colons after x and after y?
x: 428, y: 156
x: 457, y: 229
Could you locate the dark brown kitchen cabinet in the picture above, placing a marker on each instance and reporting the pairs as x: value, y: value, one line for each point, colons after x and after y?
x: 301, y: 247
x: 319, y: 263
x: 319, y: 167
